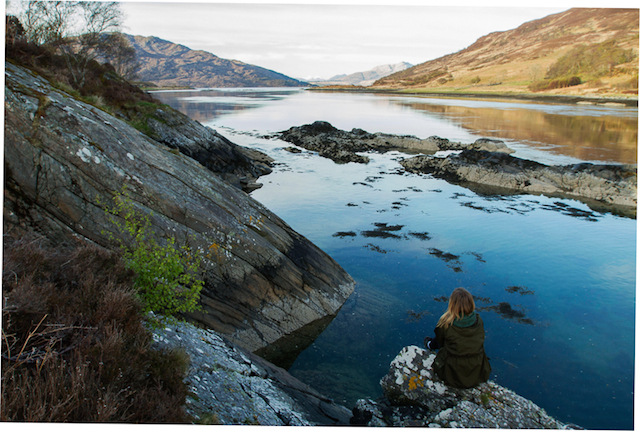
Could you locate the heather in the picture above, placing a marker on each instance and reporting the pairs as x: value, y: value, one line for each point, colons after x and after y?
x: 74, y: 343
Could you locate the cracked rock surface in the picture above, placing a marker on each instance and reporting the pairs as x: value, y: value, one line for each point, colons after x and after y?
x: 415, y: 396
x: 64, y: 159
x: 231, y: 386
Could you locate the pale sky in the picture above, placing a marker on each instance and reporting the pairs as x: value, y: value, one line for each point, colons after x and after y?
x: 306, y: 41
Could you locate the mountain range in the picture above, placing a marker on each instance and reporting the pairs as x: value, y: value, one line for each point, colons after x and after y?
x: 167, y: 64
x: 586, y: 52
x: 365, y: 78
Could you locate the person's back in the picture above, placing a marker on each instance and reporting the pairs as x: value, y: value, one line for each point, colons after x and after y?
x: 461, y: 361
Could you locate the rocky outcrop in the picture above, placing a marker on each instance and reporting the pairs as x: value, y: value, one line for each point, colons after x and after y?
x: 63, y: 161
x: 414, y: 396
x: 237, y: 165
x: 343, y: 146
x: 609, y: 187
x: 229, y: 385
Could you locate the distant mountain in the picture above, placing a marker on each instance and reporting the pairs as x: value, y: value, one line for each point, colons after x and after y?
x: 368, y: 77
x: 588, y: 52
x: 168, y: 64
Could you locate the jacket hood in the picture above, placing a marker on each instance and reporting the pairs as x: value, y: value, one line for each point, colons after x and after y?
x: 466, y: 321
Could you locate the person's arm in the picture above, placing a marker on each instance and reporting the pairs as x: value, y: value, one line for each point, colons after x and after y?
x: 432, y: 343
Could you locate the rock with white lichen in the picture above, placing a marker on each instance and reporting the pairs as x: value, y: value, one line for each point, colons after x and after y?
x: 415, y: 396
x: 229, y: 385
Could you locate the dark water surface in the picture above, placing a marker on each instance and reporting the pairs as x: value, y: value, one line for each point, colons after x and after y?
x: 554, y: 280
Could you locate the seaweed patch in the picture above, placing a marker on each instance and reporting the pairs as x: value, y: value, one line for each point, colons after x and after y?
x: 447, y: 257
x: 423, y: 236
x: 416, y: 316
x: 522, y: 290
x: 506, y: 311
x: 344, y: 234
x: 565, y: 209
x: 383, y: 231
x: 375, y: 248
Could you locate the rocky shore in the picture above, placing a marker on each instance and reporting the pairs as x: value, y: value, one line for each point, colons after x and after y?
x: 64, y: 159
x: 230, y: 385
x: 485, y: 166
x: 414, y: 396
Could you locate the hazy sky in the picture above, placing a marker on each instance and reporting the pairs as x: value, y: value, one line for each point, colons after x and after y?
x: 304, y: 40
x: 329, y: 37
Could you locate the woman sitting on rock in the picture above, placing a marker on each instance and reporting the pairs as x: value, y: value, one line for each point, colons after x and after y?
x: 461, y: 361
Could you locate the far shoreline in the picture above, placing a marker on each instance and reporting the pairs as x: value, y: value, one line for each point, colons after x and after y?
x: 529, y: 97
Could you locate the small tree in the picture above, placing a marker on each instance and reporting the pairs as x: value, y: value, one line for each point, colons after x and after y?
x: 74, y: 29
x: 167, y: 277
x: 120, y: 54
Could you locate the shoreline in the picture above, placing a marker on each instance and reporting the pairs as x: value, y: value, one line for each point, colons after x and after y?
x: 530, y: 97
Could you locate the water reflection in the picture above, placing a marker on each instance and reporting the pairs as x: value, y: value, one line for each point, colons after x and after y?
x: 207, y: 104
x: 590, y: 136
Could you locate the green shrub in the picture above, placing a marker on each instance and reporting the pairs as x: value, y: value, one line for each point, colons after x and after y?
x: 167, y: 276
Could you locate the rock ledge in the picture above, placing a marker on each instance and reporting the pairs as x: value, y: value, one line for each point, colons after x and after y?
x: 415, y: 396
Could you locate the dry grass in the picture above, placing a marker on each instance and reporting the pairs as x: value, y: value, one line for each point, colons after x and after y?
x: 74, y: 347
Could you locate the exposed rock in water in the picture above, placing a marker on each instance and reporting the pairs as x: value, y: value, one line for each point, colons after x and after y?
x: 602, y: 187
x: 64, y: 159
x: 231, y: 386
x: 342, y: 146
x: 414, y: 396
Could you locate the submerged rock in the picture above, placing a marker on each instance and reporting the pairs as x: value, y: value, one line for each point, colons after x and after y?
x: 414, y: 396
x: 64, y: 159
x: 229, y: 385
x: 608, y: 187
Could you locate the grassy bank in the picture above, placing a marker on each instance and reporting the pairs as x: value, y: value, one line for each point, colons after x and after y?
x: 631, y: 101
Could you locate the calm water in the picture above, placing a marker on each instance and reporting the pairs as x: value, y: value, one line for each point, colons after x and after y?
x: 554, y: 280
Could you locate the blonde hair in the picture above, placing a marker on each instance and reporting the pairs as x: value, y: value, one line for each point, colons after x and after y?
x: 460, y: 304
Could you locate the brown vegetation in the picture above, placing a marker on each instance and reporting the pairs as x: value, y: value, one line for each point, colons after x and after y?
x: 102, y: 86
x: 580, y: 52
x: 74, y: 346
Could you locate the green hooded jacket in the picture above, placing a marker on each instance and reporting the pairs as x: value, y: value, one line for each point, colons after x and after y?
x: 461, y: 361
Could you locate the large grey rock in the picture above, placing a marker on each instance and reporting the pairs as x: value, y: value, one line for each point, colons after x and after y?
x: 612, y: 187
x: 415, y: 396
x: 230, y: 385
x: 63, y: 161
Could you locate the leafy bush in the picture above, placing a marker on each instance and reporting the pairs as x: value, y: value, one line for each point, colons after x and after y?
x: 74, y: 346
x: 167, y: 277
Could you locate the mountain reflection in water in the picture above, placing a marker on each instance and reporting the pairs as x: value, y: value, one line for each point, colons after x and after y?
x: 587, y: 137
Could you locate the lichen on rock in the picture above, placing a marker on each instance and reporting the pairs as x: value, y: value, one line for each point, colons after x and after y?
x: 413, y: 395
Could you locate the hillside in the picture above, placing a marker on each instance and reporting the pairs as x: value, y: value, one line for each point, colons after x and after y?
x: 167, y: 64
x: 581, y: 52
x: 367, y: 77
